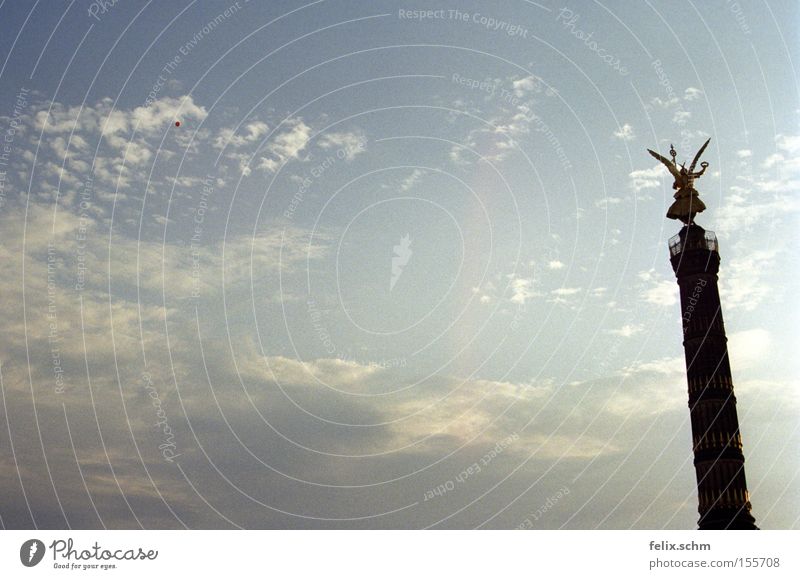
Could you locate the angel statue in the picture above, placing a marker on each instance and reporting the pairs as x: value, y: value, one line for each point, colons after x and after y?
x: 687, y: 200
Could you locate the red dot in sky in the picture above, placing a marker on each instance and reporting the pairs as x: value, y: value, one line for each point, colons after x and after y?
x: 177, y: 123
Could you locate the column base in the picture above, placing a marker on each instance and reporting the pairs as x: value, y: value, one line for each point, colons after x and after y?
x: 727, y: 519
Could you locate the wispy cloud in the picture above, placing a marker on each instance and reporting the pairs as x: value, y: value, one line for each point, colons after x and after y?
x: 625, y: 133
x: 651, y: 178
x: 658, y: 291
x: 288, y: 144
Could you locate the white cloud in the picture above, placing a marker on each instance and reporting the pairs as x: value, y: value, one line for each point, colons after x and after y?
x: 767, y: 197
x: 555, y: 264
x: 692, y: 94
x: 606, y: 201
x: 664, y: 104
x: 658, y: 291
x: 749, y: 348
x: 250, y: 133
x: 772, y: 161
x: 522, y: 290
x: 742, y: 280
x: 525, y: 86
x: 126, y: 131
x: 627, y: 330
x: 333, y: 372
x: 351, y: 144
x: 681, y: 117
x: 663, y: 293
x: 647, y: 178
x: 667, y: 366
x: 744, y: 153
x: 625, y: 133
x: 286, y: 146
x: 409, y: 182
x: 506, y: 127
x: 114, y: 123
x: 163, y: 112
x: 787, y: 159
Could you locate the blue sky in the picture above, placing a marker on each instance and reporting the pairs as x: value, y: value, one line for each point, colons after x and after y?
x: 390, y: 249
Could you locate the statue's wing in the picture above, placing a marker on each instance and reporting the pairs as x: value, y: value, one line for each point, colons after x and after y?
x: 669, y: 164
x: 697, y: 156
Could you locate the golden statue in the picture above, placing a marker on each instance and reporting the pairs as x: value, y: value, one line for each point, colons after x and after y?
x: 687, y: 200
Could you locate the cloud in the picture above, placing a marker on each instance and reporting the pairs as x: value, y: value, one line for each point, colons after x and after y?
x: 251, y: 133
x: 649, y: 391
x: 692, y: 94
x: 681, y: 117
x: 627, y: 330
x: 526, y: 86
x: 522, y: 290
x: 663, y: 293
x: 409, y: 182
x: 625, y: 133
x: 105, y: 153
x: 664, y: 104
x: 756, y: 201
x: 667, y: 366
x: 116, y: 125
x: 642, y: 179
x: 324, y: 372
x: 265, y: 447
x: 606, y: 201
x: 286, y: 146
x: 658, y: 291
x: 743, y: 281
x: 507, y: 126
x: 749, y: 348
x: 347, y: 144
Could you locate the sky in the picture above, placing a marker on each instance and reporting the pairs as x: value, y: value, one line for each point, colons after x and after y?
x: 385, y: 264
